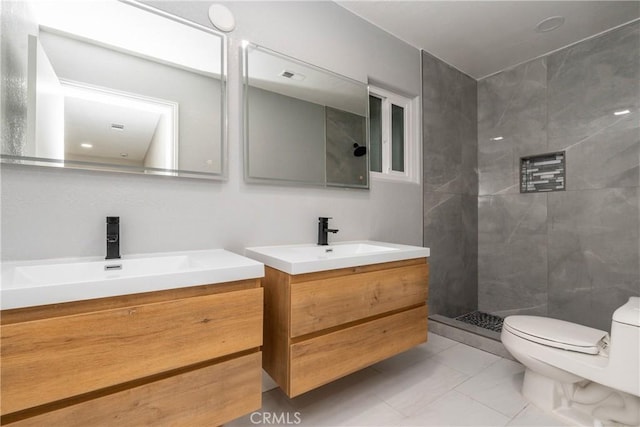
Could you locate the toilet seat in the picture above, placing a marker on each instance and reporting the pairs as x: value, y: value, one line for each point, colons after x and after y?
x: 557, y: 333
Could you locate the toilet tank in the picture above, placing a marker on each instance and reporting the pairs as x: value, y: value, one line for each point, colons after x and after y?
x: 629, y: 313
x: 624, y: 356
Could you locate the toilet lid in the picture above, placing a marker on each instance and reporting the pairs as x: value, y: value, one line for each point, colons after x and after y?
x: 556, y: 333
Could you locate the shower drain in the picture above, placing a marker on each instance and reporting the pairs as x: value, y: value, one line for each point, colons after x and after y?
x: 483, y: 320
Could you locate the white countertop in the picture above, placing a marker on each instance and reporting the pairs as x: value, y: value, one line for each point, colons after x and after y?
x: 308, y: 258
x: 32, y: 283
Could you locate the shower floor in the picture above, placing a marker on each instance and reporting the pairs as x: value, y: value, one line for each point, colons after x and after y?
x: 483, y: 320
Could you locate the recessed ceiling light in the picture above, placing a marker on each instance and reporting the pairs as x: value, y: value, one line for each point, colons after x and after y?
x: 497, y: 138
x: 85, y: 145
x: 549, y: 24
x: 621, y: 113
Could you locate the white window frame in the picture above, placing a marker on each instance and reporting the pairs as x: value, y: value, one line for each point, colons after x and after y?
x: 411, y: 137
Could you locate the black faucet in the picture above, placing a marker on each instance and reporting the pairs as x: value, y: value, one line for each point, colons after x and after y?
x: 113, y: 237
x: 323, y: 229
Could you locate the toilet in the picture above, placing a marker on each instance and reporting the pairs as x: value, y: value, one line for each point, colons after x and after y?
x: 578, y: 373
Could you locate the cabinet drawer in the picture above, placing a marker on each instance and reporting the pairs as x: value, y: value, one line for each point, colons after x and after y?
x: 324, y: 303
x: 208, y: 396
x: 51, y: 359
x: 322, y: 359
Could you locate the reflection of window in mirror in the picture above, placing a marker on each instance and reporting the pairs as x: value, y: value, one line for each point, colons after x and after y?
x: 393, y: 133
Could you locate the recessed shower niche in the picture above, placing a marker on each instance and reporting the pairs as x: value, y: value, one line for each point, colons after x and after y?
x: 543, y: 172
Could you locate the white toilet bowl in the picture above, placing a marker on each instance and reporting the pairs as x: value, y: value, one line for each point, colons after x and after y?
x: 577, y: 372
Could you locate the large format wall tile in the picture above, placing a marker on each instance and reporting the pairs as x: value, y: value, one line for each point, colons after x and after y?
x: 593, y: 253
x: 512, y: 264
x: 450, y: 186
x: 588, y: 82
x: 468, y: 128
x: 449, y: 126
x: 448, y: 231
x: 440, y: 105
x: 511, y: 106
x: 444, y: 235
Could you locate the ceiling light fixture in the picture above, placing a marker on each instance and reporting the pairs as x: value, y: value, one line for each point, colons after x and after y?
x: 621, y: 113
x: 549, y: 24
x: 85, y: 145
x: 497, y: 138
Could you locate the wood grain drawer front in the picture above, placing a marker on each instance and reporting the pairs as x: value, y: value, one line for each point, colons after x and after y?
x: 51, y: 359
x: 208, y: 396
x: 322, y: 304
x: 322, y: 359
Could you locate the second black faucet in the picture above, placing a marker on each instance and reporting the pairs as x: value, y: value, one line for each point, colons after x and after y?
x: 113, y: 237
x: 323, y: 230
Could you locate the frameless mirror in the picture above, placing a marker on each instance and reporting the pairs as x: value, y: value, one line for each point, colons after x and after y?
x: 303, y: 124
x: 118, y: 85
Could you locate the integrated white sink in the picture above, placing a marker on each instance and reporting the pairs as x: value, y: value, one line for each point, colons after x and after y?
x: 31, y: 283
x: 307, y: 258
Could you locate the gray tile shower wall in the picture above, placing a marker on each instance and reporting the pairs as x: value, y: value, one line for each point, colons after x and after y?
x: 588, y: 83
x: 593, y: 253
x: 512, y: 114
x: 450, y: 186
x: 512, y: 259
x: 575, y: 254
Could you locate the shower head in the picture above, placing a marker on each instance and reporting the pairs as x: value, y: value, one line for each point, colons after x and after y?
x: 360, y: 150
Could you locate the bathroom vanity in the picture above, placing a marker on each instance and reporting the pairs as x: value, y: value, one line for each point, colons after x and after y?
x: 332, y: 310
x: 187, y: 355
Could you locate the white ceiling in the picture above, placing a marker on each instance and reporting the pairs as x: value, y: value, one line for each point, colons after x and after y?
x: 89, y: 121
x: 481, y: 38
x: 311, y: 84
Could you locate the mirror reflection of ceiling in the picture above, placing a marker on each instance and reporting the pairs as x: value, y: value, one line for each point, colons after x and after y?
x: 120, y: 85
x: 137, y: 31
x: 282, y: 75
x: 86, y: 129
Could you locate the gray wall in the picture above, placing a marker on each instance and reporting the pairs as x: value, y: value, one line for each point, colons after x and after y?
x: 574, y: 254
x: 450, y: 186
x: 47, y: 212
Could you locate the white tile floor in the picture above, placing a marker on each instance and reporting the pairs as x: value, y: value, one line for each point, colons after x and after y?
x: 440, y: 383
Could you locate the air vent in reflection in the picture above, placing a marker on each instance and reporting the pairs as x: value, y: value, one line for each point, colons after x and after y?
x: 291, y: 75
x: 117, y: 126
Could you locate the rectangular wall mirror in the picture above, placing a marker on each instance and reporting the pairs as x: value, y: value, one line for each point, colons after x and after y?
x: 303, y: 124
x: 121, y: 86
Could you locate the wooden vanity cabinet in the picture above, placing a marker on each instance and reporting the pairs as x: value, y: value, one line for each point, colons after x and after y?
x: 322, y: 326
x: 186, y: 356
